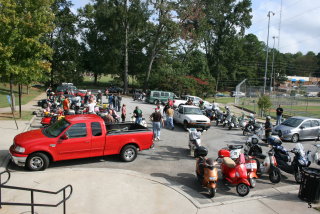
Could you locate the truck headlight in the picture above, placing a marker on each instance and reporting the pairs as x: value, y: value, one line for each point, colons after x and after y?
x: 19, y: 149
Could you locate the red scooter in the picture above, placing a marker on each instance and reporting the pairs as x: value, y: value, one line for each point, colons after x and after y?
x: 235, y: 172
x: 233, y: 152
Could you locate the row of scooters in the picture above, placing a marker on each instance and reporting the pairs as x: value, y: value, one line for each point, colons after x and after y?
x: 241, y: 165
x: 230, y: 120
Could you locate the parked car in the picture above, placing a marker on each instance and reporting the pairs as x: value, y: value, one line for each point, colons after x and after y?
x: 195, y: 100
x: 159, y: 96
x: 298, y: 128
x: 238, y: 94
x: 79, y: 136
x: 114, y: 89
x: 191, y: 117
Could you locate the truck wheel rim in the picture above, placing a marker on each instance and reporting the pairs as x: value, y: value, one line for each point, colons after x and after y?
x: 129, y: 153
x: 36, y: 162
x: 242, y: 189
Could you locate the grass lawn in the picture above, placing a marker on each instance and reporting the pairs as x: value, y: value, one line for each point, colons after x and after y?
x: 5, y: 90
x: 223, y: 100
x: 103, y: 82
x: 25, y: 115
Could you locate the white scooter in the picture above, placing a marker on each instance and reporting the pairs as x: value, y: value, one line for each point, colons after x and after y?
x: 314, y: 156
x: 194, y: 140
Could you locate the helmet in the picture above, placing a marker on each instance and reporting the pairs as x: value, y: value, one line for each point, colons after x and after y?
x: 99, y: 91
x: 251, y: 115
x: 227, y: 107
x: 274, y: 141
x: 268, y: 118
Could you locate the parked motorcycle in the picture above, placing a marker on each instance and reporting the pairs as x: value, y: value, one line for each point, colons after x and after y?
x: 219, y: 117
x: 194, y: 140
x: 206, y: 170
x: 234, y: 122
x: 284, y: 160
x: 234, y: 152
x: 266, y: 164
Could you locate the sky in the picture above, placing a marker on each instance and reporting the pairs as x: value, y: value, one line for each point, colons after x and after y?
x: 300, y: 23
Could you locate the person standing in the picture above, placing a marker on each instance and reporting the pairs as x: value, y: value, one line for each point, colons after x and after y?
x: 157, y: 120
x: 91, y: 106
x: 48, y: 91
x: 119, y: 102
x: 169, y: 120
x: 66, y: 105
x: 137, y: 113
x: 115, y: 102
x: 110, y: 101
x: 279, y: 111
x: 123, y: 112
x: 268, y: 127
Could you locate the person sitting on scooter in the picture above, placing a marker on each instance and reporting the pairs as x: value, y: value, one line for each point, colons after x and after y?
x: 268, y: 127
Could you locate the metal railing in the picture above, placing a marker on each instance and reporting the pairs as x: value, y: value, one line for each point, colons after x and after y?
x: 32, y: 204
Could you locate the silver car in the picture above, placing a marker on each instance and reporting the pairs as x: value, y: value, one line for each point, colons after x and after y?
x: 298, y: 128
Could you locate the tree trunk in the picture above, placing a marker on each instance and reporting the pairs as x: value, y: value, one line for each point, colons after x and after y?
x: 11, y: 93
x: 126, y: 60
x: 28, y: 89
x: 95, y: 78
x: 146, y: 84
x: 20, y: 92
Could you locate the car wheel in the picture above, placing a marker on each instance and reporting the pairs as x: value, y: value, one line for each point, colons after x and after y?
x: 37, y: 161
x: 295, y: 138
x: 129, y: 153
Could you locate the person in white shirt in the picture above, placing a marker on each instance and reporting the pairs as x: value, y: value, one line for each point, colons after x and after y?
x: 91, y: 106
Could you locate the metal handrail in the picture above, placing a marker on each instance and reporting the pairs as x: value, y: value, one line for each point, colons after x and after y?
x: 32, y: 191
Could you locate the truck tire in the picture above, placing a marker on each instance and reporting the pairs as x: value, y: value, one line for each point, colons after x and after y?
x: 185, y: 125
x: 37, y: 161
x: 129, y: 153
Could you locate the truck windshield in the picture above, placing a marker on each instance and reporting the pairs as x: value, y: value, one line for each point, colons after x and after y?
x: 192, y: 111
x: 292, y: 122
x: 56, y: 129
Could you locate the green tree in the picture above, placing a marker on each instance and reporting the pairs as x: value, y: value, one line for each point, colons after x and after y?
x: 264, y: 104
x: 23, y: 53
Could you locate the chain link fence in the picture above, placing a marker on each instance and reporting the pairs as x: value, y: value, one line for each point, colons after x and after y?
x: 293, y: 104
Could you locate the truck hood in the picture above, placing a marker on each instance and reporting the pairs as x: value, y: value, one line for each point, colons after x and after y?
x: 197, y: 117
x: 30, y: 137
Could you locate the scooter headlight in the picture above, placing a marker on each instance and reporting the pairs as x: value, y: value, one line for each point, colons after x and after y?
x: 212, y: 178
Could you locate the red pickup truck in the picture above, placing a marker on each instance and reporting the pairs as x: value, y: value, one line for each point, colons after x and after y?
x: 79, y: 136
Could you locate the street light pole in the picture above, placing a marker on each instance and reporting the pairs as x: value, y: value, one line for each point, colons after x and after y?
x: 265, y: 72
x: 274, y: 40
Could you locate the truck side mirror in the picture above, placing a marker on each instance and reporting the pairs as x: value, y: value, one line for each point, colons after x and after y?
x: 64, y: 137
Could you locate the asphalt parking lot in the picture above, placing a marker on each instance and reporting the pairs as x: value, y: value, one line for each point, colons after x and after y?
x: 170, y: 158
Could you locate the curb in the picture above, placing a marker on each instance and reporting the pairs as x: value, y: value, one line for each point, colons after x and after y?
x: 8, y: 158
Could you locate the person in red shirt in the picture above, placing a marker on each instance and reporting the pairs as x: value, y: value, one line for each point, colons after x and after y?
x: 66, y: 105
x: 170, y: 102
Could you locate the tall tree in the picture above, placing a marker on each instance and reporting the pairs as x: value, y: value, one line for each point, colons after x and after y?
x: 23, y: 53
x: 63, y: 41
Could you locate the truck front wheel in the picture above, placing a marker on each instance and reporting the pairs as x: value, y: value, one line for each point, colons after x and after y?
x: 129, y: 153
x: 37, y: 161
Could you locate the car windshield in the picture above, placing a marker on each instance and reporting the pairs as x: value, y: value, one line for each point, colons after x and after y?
x: 292, y: 122
x: 192, y: 111
x: 56, y: 129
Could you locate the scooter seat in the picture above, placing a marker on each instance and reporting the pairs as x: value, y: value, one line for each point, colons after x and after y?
x: 229, y: 162
x: 233, y: 147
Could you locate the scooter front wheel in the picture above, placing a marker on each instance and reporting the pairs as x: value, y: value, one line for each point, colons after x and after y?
x: 275, y: 175
x: 212, y: 192
x: 298, y: 176
x: 243, y: 189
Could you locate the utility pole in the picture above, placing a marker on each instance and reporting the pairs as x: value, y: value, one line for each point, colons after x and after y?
x: 274, y: 40
x: 266, y: 68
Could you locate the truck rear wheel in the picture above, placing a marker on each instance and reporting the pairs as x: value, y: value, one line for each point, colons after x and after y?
x: 129, y: 153
x: 37, y: 161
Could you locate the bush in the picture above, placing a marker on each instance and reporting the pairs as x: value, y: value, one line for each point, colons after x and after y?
x: 264, y: 103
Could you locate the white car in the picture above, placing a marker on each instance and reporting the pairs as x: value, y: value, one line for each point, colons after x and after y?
x: 195, y: 100
x: 191, y: 117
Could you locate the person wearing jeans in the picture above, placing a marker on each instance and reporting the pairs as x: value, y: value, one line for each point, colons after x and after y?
x: 169, y: 120
x: 157, y: 120
x: 279, y: 111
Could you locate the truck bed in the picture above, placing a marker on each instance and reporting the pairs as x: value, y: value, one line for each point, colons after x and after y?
x: 122, y: 128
